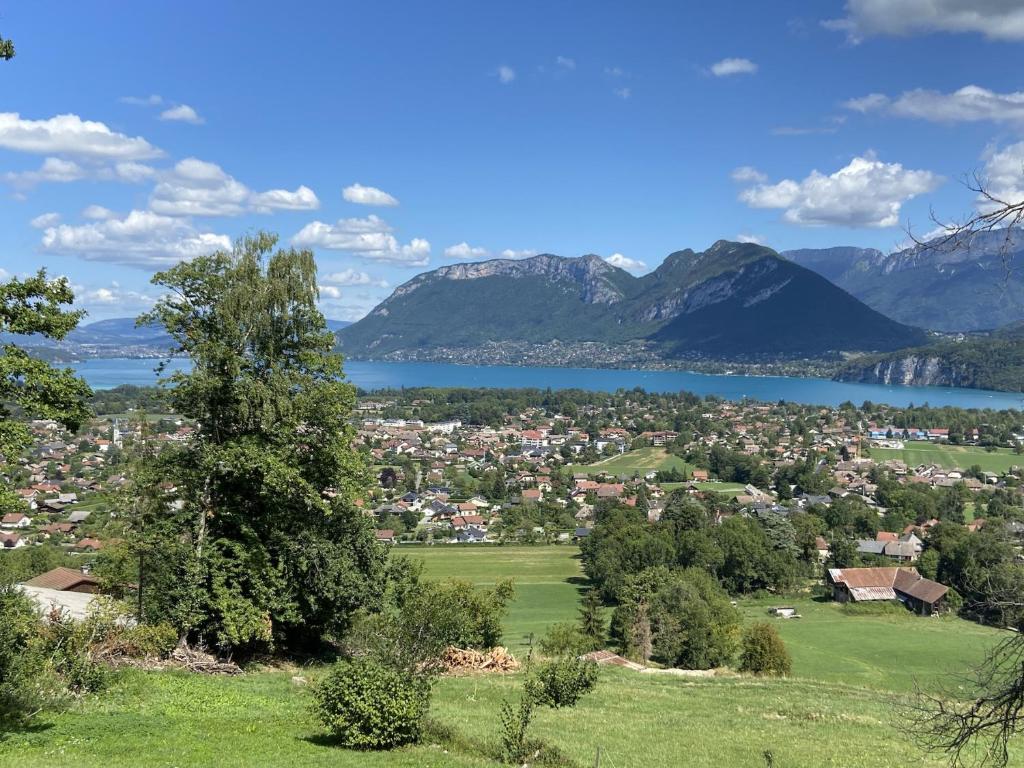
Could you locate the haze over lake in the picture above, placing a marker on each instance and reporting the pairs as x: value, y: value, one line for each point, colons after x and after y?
x: 108, y: 373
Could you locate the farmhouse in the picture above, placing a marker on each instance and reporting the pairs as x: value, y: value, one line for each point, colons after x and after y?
x: 921, y: 595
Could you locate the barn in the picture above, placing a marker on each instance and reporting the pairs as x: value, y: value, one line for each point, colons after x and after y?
x: 923, y: 596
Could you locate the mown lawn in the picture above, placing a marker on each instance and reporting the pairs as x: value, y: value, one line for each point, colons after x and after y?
x: 950, y: 456
x: 729, y: 489
x: 641, y: 461
x: 548, y: 580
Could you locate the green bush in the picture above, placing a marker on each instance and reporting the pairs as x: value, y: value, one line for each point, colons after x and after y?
x: 561, y: 683
x: 565, y: 639
x: 764, y: 653
x: 23, y: 668
x: 367, y: 705
x: 144, y: 640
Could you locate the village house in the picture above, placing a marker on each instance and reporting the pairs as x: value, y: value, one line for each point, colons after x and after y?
x: 922, y: 596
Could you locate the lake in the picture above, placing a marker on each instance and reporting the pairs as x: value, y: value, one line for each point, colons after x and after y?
x: 104, y: 374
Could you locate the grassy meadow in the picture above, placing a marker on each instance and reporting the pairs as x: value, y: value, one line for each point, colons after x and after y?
x: 950, y: 456
x: 845, y: 705
x: 641, y: 461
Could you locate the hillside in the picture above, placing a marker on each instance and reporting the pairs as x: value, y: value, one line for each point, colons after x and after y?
x: 976, y: 286
x: 989, y: 362
x: 732, y: 300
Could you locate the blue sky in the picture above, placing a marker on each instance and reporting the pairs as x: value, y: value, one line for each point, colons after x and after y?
x: 391, y: 137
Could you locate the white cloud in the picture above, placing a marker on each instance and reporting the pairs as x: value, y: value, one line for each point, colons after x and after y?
x: 98, y: 212
x: 142, y: 238
x: 971, y: 103
x: 464, y: 250
x: 182, y: 113
x: 329, y: 292
x: 565, y: 62
x: 748, y: 173
x: 506, y: 74
x: 347, y: 306
x: 199, y: 188
x: 744, y: 237
x: 132, y: 172
x: 614, y: 72
x: 70, y: 135
x: 995, y: 19
x: 353, y: 277
x: 623, y: 93
x: 511, y: 253
x: 864, y: 193
x: 113, y: 296
x: 369, y: 238
x: 153, y: 100
x: 727, y: 67
x: 624, y: 262
x: 357, y: 193
x: 1004, y: 174
x: 53, y: 169
x: 44, y: 220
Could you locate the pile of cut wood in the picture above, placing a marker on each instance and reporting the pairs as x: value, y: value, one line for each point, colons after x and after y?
x: 466, y: 660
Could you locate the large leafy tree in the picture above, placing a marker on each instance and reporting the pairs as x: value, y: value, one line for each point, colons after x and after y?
x: 248, y: 533
x: 29, y: 387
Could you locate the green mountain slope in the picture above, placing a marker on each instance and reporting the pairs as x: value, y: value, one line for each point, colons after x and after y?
x: 732, y: 300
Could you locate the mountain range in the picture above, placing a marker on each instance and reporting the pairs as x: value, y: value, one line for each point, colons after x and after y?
x: 732, y: 300
x: 967, y: 286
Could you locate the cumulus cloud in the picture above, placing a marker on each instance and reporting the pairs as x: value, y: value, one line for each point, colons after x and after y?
x: 565, y: 62
x: 44, y: 220
x: 464, y: 250
x: 142, y: 238
x: 511, y: 253
x: 132, y: 172
x: 744, y: 237
x: 1004, y: 174
x: 727, y: 67
x: 357, y: 193
x: 153, y: 100
x: 971, y: 103
x: 995, y: 19
x: 865, y: 193
x: 53, y: 169
x: 347, y: 277
x: 329, y: 291
x: 182, y: 113
x: 97, y: 212
x: 199, y: 188
x: 748, y: 173
x: 71, y: 135
x: 368, y: 238
x: 624, y: 262
x: 344, y: 305
x: 623, y: 93
x: 506, y: 74
x: 114, y: 295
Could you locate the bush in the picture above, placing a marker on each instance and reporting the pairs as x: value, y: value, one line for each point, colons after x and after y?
x: 764, y: 653
x: 565, y: 639
x: 22, y: 662
x: 561, y: 683
x: 366, y: 705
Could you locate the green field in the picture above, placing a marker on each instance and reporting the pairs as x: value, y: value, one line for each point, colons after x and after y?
x: 641, y: 461
x: 846, y: 704
x: 950, y: 456
x: 548, y: 581
x: 729, y: 489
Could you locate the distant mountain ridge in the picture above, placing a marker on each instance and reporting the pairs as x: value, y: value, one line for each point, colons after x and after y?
x: 971, y: 286
x: 732, y: 299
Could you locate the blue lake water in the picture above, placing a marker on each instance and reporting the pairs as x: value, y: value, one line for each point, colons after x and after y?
x: 104, y: 374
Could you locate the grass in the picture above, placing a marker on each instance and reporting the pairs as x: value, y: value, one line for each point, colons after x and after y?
x: 641, y: 461
x: 548, y: 581
x: 950, y: 456
x: 728, y: 489
x: 845, y: 705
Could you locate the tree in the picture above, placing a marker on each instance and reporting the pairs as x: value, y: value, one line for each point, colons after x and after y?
x: 592, y: 624
x: 32, y: 388
x: 259, y: 540
x: 763, y: 652
x: 6, y: 49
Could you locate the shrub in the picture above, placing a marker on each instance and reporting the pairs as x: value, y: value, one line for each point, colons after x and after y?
x: 764, y: 653
x: 515, y: 722
x: 561, y: 683
x: 565, y: 639
x: 22, y: 663
x: 367, y: 705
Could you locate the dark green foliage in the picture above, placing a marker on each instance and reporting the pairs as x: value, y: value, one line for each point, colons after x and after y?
x: 545, y: 298
x: 679, y: 618
x: 763, y: 651
x: 591, y: 622
x: 259, y: 545
x: 564, y: 681
x: 366, y: 705
x: 35, y: 305
x: 565, y: 639
x: 22, y: 662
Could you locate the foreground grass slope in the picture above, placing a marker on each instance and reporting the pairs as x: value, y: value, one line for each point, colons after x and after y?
x: 846, y: 704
